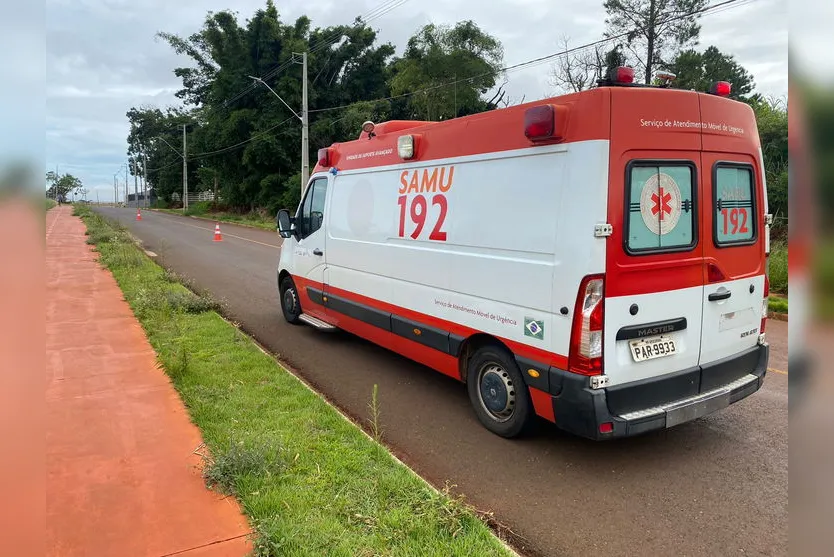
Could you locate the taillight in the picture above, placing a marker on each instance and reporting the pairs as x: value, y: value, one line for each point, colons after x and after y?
x: 586, y: 334
x: 765, y: 305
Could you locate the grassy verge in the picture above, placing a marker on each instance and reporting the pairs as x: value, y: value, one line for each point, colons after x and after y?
x: 778, y: 267
x: 777, y: 304
x: 202, y: 210
x: 50, y: 203
x: 310, y: 481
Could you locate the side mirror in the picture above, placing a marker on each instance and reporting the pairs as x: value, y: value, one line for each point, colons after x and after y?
x: 284, y: 224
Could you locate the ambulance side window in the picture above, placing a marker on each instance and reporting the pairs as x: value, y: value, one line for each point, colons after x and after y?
x: 734, y: 214
x: 312, y: 210
x: 661, y: 212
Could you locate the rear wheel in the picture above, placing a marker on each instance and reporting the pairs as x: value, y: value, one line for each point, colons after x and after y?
x: 498, y: 393
x: 289, y: 301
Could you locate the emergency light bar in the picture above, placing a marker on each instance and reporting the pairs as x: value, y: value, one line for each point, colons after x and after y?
x: 721, y: 88
x: 621, y: 75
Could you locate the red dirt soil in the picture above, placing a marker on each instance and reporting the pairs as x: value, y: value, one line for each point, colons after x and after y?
x: 122, y: 474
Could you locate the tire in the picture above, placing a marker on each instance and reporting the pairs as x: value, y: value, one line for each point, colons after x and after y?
x: 290, y: 304
x: 498, y: 393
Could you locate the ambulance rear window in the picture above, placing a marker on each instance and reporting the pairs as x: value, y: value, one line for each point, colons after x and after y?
x: 661, y: 211
x: 733, y: 210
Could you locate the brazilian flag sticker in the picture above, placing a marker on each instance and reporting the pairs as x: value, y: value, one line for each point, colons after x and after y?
x: 534, y: 328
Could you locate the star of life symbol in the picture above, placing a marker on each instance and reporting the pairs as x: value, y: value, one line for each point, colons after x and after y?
x: 660, y: 203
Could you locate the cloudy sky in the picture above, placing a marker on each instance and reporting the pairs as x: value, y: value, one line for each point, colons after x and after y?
x: 102, y: 57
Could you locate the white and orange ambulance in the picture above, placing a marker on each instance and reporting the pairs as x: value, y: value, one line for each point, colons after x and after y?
x: 597, y: 259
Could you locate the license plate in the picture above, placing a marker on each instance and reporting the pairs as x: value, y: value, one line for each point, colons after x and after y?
x: 650, y: 348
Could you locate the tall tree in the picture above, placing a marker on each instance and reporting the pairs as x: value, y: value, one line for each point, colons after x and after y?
x: 582, y: 69
x: 654, y: 30
x: 699, y: 70
x: 61, y: 185
x: 772, y: 122
x: 246, y: 136
x: 452, y: 68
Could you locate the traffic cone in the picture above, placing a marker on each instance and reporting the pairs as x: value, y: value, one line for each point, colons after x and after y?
x: 217, y: 236
x: 138, y: 214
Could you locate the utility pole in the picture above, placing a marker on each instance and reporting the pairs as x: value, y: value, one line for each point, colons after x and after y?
x: 136, y: 183
x: 145, y: 177
x: 184, y: 172
x: 115, y: 192
x: 305, y: 139
x: 126, y: 186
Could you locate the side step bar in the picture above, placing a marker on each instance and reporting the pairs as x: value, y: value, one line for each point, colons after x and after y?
x: 317, y: 323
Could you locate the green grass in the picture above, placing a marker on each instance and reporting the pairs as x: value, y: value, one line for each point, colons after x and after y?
x: 310, y: 482
x: 778, y: 266
x: 258, y: 219
x: 50, y: 203
x: 777, y: 304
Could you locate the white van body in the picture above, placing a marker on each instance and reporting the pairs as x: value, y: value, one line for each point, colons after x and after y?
x: 480, y: 264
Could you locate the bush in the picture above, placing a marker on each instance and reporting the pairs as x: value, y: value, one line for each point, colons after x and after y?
x: 224, y: 470
x: 200, y: 208
x: 779, y: 267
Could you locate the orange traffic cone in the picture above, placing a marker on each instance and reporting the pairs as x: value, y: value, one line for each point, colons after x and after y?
x: 138, y: 214
x: 217, y: 236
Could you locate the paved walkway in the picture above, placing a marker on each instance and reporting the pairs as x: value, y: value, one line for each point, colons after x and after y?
x: 122, y: 474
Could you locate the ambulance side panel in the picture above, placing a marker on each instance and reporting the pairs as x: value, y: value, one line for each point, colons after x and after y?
x: 498, y: 270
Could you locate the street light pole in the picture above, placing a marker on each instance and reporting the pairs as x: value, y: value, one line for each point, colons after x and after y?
x: 184, y: 172
x: 305, y: 128
x: 303, y: 117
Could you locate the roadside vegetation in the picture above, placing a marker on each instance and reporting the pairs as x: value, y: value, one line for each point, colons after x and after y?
x: 311, y: 482
x: 778, y: 267
x: 50, y: 203
x: 259, y: 218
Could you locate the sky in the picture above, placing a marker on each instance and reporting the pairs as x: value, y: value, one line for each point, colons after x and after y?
x: 102, y: 57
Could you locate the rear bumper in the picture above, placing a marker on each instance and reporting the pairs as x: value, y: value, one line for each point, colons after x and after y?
x: 658, y: 403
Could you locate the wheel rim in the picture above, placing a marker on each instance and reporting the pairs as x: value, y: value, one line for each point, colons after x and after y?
x: 496, y: 392
x: 290, y: 300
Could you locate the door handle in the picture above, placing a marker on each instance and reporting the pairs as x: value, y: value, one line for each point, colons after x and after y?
x: 317, y: 251
x: 718, y: 296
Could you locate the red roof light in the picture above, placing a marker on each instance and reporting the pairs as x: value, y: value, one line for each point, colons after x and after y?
x: 622, y: 74
x: 539, y: 122
x: 546, y: 122
x: 721, y: 88
x: 324, y: 156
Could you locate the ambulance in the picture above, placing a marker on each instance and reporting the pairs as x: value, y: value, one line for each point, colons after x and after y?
x: 597, y: 259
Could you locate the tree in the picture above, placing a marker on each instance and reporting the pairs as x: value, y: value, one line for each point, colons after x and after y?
x: 699, y: 70
x: 582, y: 69
x: 157, y: 136
x: 244, y: 135
x: 61, y: 185
x: 450, y: 69
x: 654, y: 30
x: 772, y: 122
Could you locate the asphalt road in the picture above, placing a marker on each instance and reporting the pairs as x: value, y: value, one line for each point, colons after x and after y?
x: 715, y: 486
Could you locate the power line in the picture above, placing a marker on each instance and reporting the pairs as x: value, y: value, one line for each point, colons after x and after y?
x: 236, y: 145
x: 715, y: 8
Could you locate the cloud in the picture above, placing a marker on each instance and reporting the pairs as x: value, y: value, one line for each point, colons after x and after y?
x: 102, y: 57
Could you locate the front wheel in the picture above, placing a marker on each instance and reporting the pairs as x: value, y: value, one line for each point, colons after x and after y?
x: 498, y: 393
x: 289, y: 301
